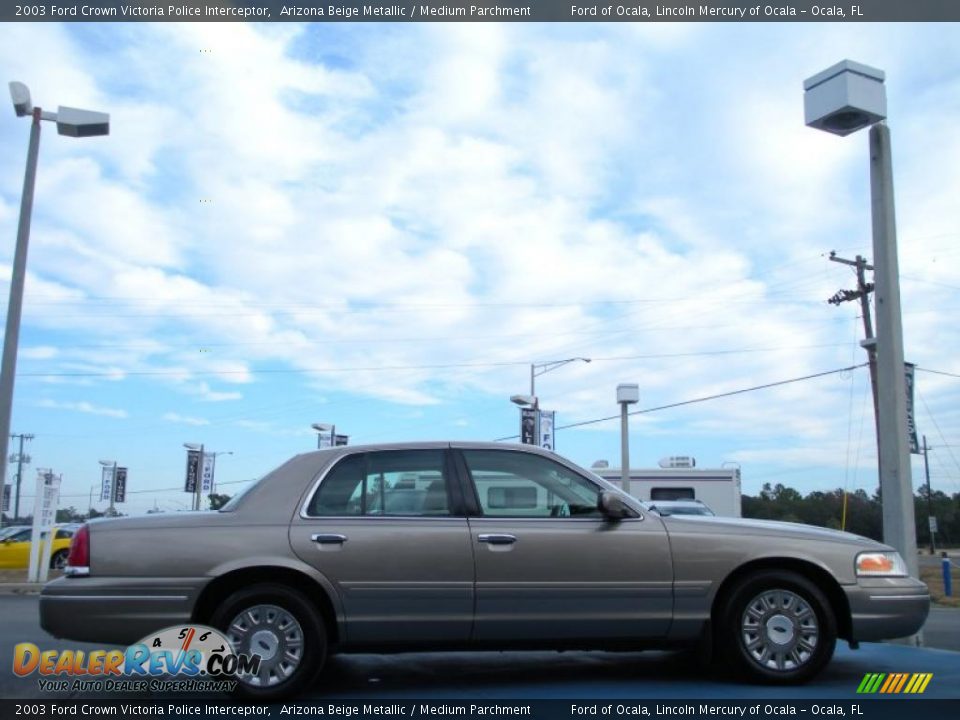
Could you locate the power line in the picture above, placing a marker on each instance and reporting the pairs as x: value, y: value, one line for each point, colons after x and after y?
x: 939, y: 431
x: 938, y: 372
x: 704, y: 399
x: 447, y: 366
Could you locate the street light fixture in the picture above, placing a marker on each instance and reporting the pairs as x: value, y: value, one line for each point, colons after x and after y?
x: 74, y: 123
x: 112, y: 464
x: 627, y: 394
x: 537, y: 369
x: 524, y: 400
x: 843, y: 99
x: 323, y: 428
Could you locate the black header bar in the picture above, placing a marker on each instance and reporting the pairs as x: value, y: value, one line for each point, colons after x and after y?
x: 479, y: 11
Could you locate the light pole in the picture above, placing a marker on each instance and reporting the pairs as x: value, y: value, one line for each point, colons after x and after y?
x: 841, y: 100
x: 931, y: 518
x: 322, y: 429
x: 537, y: 369
x: 20, y: 459
x: 72, y: 122
x: 197, y: 485
x: 627, y: 394
x: 112, y: 464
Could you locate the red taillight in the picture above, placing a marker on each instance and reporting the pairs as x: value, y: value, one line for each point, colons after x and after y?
x: 79, y: 556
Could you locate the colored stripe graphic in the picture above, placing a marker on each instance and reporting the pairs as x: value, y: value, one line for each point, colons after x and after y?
x: 903, y: 681
x: 875, y: 685
x: 891, y: 682
x: 894, y: 683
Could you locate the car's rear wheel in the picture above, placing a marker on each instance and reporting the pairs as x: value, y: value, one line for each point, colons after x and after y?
x: 778, y: 627
x: 279, y: 625
x: 58, y: 561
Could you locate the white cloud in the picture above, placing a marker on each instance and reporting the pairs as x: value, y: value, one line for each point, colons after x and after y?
x: 185, y: 419
x: 393, y: 213
x: 83, y: 407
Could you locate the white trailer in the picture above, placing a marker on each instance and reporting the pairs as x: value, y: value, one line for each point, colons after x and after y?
x: 718, y: 489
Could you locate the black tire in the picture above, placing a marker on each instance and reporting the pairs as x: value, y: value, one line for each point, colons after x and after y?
x: 777, y: 627
x: 58, y: 561
x: 292, y: 638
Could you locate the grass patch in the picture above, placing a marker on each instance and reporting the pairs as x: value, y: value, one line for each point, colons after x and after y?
x: 933, y: 577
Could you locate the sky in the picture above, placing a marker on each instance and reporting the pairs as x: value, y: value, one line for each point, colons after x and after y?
x: 381, y: 226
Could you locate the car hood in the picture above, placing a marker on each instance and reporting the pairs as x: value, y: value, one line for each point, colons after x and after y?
x: 776, y: 528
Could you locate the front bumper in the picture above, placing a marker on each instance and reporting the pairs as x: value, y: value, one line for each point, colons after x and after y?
x: 116, y: 610
x: 887, y: 608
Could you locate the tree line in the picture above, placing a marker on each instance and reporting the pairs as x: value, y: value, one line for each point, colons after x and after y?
x: 864, y: 515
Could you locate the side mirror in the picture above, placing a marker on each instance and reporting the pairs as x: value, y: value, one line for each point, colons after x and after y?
x: 614, y: 508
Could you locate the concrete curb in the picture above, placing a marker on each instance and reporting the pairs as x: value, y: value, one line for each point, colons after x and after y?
x: 23, y: 588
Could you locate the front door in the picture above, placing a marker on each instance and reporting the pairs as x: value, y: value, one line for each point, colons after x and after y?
x: 550, y: 566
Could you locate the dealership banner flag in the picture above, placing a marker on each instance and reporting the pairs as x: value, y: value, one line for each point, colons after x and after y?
x: 547, y: 440
x: 193, y: 471
x: 206, y: 477
x: 911, y: 418
x: 528, y: 426
x: 106, y: 483
x: 120, y: 494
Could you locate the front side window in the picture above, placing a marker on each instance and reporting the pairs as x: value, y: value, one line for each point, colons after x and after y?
x: 514, y: 484
x: 388, y: 483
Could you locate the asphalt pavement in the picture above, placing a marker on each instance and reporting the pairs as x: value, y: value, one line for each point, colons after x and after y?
x: 544, y: 675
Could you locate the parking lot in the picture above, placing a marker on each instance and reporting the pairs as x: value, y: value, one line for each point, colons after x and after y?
x: 546, y: 675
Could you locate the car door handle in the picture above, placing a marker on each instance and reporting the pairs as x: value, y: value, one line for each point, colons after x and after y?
x: 497, y: 539
x: 329, y: 538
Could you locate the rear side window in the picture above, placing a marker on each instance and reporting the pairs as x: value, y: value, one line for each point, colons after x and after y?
x: 388, y: 483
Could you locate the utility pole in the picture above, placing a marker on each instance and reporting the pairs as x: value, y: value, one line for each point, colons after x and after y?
x: 869, y: 343
x: 21, y: 458
x: 931, y: 519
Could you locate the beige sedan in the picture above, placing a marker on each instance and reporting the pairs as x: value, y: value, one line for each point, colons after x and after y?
x: 444, y: 545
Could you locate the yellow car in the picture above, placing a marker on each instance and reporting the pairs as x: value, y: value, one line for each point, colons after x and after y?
x: 15, y: 548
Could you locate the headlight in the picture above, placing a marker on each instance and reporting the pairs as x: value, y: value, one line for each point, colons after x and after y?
x: 880, y: 564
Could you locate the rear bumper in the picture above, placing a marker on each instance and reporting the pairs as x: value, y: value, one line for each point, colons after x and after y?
x: 116, y: 610
x: 886, y: 608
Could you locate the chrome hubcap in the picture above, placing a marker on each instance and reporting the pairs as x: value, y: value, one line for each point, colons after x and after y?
x: 779, y: 630
x: 272, y: 633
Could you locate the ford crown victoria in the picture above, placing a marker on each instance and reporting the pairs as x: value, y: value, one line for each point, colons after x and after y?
x: 451, y: 545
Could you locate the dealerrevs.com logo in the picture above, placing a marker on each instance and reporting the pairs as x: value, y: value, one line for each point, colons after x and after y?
x: 182, y: 658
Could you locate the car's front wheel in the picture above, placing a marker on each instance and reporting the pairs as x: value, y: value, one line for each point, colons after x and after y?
x: 59, y: 560
x: 778, y: 627
x: 282, y: 627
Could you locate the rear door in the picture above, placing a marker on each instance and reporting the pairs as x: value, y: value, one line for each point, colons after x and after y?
x: 550, y: 566
x: 387, y: 528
